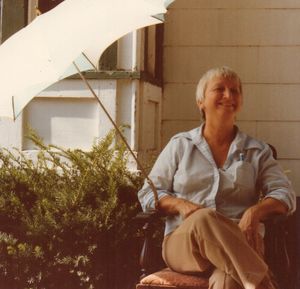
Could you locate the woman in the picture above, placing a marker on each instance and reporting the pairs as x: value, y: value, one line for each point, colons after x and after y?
x: 210, y: 181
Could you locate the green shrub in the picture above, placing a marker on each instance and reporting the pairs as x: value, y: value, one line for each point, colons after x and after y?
x: 66, y: 219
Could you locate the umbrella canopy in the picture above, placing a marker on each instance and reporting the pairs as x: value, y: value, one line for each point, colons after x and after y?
x: 76, y: 31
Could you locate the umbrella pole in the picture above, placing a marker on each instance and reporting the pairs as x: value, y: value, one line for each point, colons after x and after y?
x: 143, y: 171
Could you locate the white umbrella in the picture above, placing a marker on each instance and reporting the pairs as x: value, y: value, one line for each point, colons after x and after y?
x: 68, y: 39
x: 75, y: 31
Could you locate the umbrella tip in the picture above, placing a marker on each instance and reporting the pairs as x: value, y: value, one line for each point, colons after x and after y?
x: 13, y: 107
x: 159, y: 17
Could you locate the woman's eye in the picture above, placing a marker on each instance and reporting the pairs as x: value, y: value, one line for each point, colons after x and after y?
x: 235, y: 91
x: 219, y: 89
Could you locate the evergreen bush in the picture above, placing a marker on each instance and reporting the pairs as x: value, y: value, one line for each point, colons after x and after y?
x: 66, y: 219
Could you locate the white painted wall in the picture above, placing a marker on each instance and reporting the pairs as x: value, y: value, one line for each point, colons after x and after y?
x: 257, y: 38
x: 66, y: 114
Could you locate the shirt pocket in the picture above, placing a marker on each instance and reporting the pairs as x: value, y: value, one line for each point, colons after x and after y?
x: 244, y: 176
x: 189, y: 180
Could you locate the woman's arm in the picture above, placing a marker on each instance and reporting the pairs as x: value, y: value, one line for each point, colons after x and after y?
x: 273, y: 182
x: 267, y: 208
x: 278, y: 196
x: 260, y: 212
x: 173, y: 206
x: 162, y: 175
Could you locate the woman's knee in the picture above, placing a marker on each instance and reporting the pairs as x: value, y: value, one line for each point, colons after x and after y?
x: 207, y: 220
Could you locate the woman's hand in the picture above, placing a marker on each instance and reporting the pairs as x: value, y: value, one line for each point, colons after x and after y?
x: 173, y: 206
x: 186, y: 208
x: 249, y: 225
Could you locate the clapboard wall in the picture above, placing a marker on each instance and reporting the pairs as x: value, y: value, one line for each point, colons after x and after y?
x: 260, y: 39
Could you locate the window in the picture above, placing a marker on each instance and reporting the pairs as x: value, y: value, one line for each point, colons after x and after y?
x: 153, y: 54
x: 13, y: 17
x: 108, y: 60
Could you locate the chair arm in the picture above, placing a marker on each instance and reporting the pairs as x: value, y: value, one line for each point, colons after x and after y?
x: 147, y: 260
x: 278, y: 250
x: 275, y: 241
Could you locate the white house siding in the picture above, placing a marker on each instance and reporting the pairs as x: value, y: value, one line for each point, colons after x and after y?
x: 261, y: 41
x: 66, y: 114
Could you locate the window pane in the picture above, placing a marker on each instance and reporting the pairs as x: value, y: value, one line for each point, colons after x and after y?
x: 108, y: 60
x: 46, y: 5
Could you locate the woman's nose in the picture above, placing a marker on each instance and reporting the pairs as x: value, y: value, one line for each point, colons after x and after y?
x: 227, y: 93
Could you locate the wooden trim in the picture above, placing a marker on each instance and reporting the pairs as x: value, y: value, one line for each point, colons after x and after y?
x: 114, y: 74
x: 148, y: 77
x: 117, y: 74
x: 146, y: 41
x: 159, y: 38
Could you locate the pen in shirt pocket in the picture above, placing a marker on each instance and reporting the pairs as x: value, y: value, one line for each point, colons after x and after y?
x: 242, y: 157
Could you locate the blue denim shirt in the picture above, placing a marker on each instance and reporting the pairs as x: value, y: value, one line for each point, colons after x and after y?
x: 186, y: 169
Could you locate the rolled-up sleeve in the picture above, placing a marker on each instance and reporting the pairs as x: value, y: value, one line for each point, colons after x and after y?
x: 273, y: 181
x: 162, y: 175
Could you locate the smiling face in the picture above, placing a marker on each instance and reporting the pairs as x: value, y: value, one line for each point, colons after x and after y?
x: 222, y: 97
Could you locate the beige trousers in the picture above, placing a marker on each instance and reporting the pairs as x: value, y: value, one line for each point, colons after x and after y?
x: 206, y: 240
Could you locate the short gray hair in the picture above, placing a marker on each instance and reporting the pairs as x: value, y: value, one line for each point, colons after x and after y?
x: 223, y: 71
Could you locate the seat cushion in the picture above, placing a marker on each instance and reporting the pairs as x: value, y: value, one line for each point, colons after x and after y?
x: 167, y: 278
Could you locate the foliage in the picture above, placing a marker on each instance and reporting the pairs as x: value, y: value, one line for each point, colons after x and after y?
x: 66, y: 219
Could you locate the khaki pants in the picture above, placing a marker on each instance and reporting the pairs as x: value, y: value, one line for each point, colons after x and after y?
x: 207, y: 239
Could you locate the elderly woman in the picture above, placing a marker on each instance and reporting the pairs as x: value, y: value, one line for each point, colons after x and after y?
x: 216, y: 185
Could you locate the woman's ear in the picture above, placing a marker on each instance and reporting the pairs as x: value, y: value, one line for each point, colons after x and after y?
x: 200, y: 104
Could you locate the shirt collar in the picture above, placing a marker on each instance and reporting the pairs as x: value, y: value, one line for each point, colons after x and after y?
x: 241, y: 141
